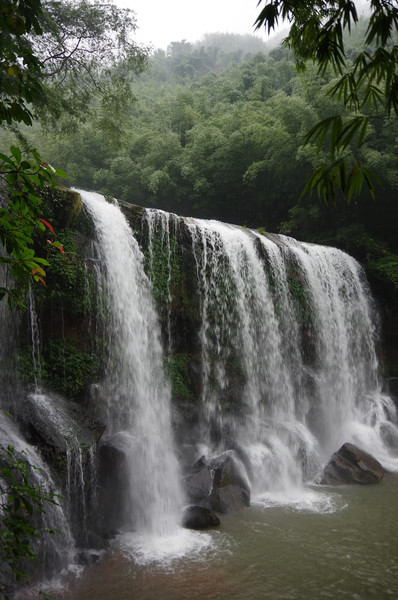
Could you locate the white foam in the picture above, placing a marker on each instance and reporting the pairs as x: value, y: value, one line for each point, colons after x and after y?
x: 301, y: 500
x: 165, y: 551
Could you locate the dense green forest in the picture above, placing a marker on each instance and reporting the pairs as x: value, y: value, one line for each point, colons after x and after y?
x: 216, y: 130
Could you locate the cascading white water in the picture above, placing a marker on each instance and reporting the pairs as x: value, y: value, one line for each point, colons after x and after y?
x: 347, y: 402
x: 54, y: 549
x: 136, y: 393
x: 54, y: 544
x: 308, y: 388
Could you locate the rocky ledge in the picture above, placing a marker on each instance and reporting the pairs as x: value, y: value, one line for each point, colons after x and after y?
x: 350, y: 464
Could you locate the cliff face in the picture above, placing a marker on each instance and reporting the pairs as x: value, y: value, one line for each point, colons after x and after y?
x: 241, y: 333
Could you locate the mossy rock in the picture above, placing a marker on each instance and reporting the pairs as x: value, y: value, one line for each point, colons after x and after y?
x: 62, y: 205
x: 57, y: 427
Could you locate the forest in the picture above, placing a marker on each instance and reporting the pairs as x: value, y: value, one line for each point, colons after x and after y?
x: 216, y: 130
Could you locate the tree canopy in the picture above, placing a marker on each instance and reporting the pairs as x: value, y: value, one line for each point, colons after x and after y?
x: 61, y: 57
x: 217, y: 131
x: 19, y: 65
x: 59, y: 61
x: 366, y: 84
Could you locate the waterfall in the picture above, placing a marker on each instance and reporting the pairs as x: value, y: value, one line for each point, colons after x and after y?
x: 135, y: 392
x: 55, y: 550
x: 270, y: 345
x: 296, y: 325
x: 54, y: 544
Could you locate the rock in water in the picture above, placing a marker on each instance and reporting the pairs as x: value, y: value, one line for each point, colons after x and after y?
x: 350, y: 464
x: 199, y: 517
x: 221, y: 484
x: 199, y: 482
x: 231, y: 488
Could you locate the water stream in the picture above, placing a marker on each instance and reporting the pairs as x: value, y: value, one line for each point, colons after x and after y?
x: 136, y: 393
x: 299, y: 321
x: 345, y: 550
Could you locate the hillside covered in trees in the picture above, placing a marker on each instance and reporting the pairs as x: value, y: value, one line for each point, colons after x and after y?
x: 216, y: 130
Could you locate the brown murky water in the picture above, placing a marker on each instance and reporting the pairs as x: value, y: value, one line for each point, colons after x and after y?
x: 346, y: 548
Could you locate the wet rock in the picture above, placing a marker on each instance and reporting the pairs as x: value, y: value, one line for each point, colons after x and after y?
x: 113, y: 455
x: 231, y: 488
x: 391, y: 385
x: 350, y: 464
x: 66, y: 204
x: 87, y: 558
x: 56, y: 426
x: 199, y: 481
x: 114, y: 478
x: 199, y: 517
x: 221, y: 484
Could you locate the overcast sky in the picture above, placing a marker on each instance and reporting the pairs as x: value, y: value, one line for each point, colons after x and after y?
x: 163, y: 21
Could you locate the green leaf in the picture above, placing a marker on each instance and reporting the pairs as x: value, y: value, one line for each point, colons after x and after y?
x: 6, y: 159
x: 16, y: 152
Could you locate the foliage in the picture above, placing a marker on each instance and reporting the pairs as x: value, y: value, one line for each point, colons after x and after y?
x: 176, y: 369
x: 86, y: 55
x: 163, y: 267
x: 66, y: 369
x: 19, y: 65
x: 228, y: 144
x: 20, y: 219
x: 54, y: 57
x: 21, y: 173
x: 67, y: 283
x: 58, y: 56
x: 387, y: 266
x: 367, y: 83
x: 20, y: 501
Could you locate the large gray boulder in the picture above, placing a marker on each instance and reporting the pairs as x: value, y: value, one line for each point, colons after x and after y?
x: 199, y: 482
x: 199, y: 517
x: 231, y: 488
x: 350, y: 464
x: 113, y: 481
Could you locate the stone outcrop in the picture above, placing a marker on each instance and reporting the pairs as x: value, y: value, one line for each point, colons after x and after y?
x: 57, y: 426
x: 113, y: 482
x: 199, y: 482
x: 350, y: 464
x: 231, y: 488
x: 199, y: 517
x: 220, y: 484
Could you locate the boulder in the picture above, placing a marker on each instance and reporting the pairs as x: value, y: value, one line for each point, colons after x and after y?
x: 231, y: 488
x: 199, y: 517
x: 350, y: 464
x: 57, y: 426
x: 113, y: 492
x: 113, y: 469
x: 199, y: 482
x: 221, y: 484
